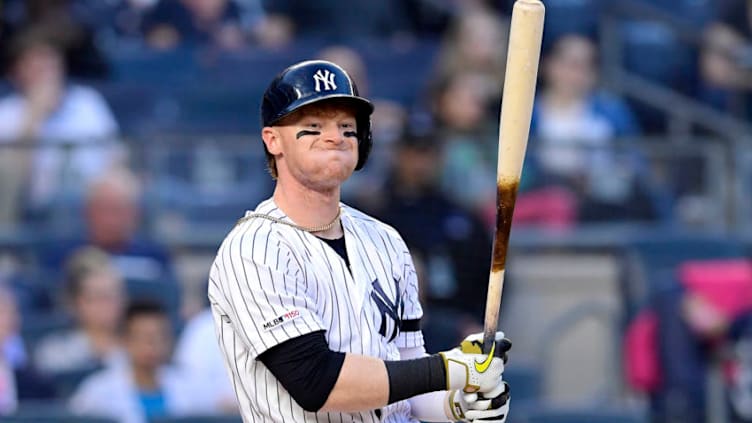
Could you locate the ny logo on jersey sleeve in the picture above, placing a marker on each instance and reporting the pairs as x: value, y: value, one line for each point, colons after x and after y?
x: 387, y: 308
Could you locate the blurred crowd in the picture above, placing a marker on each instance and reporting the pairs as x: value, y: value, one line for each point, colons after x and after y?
x: 88, y: 316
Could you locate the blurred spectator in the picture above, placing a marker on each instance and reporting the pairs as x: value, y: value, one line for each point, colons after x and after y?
x: 142, y: 387
x: 476, y: 43
x: 114, y: 21
x: 57, y: 20
x: 46, y: 112
x: 197, y: 355
x: 432, y: 17
x: 726, y: 60
x: 469, y: 136
x: 575, y: 127
x: 387, y: 121
x: 338, y: 21
x: 8, y: 341
x: 113, y: 221
x: 174, y: 23
x: 18, y: 380
x: 702, y: 321
x: 453, y: 244
x: 94, y: 295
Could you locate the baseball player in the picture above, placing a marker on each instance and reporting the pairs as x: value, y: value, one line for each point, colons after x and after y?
x: 315, y: 304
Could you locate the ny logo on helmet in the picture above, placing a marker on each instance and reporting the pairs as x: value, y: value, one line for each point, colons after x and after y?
x: 325, y: 77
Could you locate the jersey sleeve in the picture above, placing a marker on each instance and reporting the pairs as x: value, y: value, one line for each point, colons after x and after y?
x: 410, y: 335
x: 261, y: 293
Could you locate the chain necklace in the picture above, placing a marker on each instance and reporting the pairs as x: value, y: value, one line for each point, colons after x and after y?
x: 321, y: 228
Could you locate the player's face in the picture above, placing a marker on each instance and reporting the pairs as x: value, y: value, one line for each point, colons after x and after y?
x: 319, y: 148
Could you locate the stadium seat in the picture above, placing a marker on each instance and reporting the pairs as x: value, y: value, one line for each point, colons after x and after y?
x: 656, y: 259
x: 166, y: 293
x: 571, y: 16
x: 151, y: 67
x: 36, y: 326
x: 67, y: 382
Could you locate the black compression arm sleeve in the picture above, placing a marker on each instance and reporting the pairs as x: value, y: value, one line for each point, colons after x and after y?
x: 409, y: 378
x: 306, y: 367
x: 308, y: 370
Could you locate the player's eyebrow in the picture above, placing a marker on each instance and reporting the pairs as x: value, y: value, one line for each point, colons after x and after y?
x: 306, y: 132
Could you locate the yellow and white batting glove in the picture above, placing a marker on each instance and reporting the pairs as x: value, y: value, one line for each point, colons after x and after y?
x: 492, y: 407
x: 469, y: 370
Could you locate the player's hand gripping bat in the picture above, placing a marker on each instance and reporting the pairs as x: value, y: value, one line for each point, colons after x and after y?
x: 525, y: 35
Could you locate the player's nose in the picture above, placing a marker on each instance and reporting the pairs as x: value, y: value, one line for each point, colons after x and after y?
x: 331, y: 132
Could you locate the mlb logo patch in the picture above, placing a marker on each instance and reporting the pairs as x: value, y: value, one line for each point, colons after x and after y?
x: 281, y: 319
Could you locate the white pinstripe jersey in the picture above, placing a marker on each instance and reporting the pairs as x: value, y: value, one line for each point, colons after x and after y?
x: 271, y: 282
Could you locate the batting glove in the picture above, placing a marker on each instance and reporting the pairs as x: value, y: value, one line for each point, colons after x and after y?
x: 492, y: 407
x: 469, y: 370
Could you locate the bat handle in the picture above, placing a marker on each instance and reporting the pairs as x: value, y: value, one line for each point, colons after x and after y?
x: 489, y: 337
x: 493, y: 303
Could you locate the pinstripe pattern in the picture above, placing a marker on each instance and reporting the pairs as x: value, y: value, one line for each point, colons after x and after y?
x: 271, y: 282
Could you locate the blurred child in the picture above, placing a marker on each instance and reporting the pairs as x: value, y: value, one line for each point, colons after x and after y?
x: 142, y: 387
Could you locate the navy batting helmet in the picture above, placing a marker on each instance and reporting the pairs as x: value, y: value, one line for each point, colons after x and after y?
x: 309, y: 82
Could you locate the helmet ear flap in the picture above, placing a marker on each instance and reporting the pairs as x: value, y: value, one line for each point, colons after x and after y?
x: 365, y: 141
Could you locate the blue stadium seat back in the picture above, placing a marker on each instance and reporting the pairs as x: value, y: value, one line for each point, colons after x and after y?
x: 218, y: 108
x: 571, y: 16
x: 166, y: 293
x: 670, y: 251
x: 653, y: 51
x: 659, y: 258
x: 524, y: 382
x: 698, y: 12
x: 150, y: 67
x: 35, y: 326
x: 254, y: 66
x: 135, y: 105
x: 66, y: 383
x: 199, y: 419
x: 384, y: 66
x: 595, y: 415
x: 32, y: 295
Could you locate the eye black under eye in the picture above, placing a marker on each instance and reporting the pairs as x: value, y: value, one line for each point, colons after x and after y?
x: 306, y: 132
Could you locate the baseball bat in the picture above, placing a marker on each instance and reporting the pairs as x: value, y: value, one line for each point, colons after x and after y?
x: 523, y: 54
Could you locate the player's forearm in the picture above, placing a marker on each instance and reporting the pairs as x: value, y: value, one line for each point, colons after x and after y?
x: 430, y: 407
x: 363, y: 384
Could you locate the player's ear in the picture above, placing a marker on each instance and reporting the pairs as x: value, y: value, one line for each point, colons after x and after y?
x: 271, y: 138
